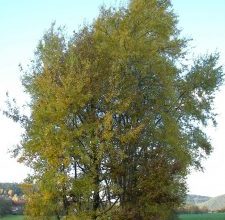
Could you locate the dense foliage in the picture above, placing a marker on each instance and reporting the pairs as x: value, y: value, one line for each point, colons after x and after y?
x: 5, y: 206
x: 116, y: 117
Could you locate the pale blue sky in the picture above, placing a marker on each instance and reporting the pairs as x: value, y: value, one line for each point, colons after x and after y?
x: 22, y: 24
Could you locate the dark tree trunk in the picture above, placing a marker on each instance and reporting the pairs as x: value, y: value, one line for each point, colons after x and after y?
x: 96, y: 196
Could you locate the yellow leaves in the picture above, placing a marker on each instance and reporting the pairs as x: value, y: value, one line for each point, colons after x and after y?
x: 132, y: 134
x: 26, y: 187
x: 103, y: 106
x: 108, y: 121
x: 47, y: 196
x: 107, y: 133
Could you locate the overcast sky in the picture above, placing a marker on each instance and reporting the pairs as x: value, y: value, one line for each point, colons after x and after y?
x: 22, y: 24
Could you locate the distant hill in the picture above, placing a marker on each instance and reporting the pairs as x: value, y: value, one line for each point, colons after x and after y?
x: 214, y: 204
x: 196, y: 199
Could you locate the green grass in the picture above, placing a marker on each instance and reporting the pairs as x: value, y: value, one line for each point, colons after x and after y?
x: 209, y: 216
x: 12, y: 217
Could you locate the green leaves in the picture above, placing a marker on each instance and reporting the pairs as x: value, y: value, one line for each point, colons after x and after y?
x: 115, y: 123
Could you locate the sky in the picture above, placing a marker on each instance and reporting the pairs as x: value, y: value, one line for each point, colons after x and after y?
x: 23, y: 23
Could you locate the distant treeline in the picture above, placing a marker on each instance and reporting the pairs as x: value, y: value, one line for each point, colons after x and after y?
x: 192, y: 209
x: 12, y: 200
x: 15, y: 187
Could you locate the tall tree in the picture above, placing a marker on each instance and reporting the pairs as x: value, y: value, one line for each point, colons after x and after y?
x: 116, y: 118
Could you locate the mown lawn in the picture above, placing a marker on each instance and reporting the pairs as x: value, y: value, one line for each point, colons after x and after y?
x: 209, y: 216
x: 12, y: 217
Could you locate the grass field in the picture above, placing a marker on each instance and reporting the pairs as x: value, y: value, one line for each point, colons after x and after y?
x: 13, y: 217
x: 210, y: 216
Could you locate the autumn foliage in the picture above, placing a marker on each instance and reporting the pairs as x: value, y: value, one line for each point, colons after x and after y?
x: 116, y: 117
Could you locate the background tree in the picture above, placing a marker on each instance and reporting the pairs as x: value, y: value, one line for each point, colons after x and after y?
x: 116, y: 118
x: 12, y: 187
x: 5, y: 206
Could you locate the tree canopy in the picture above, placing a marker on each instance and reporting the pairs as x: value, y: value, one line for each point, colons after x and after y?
x: 117, y: 118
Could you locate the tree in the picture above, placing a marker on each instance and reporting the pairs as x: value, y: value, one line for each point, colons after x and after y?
x: 10, y: 193
x: 10, y: 188
x: 116, y: 117
x: 5, y: 206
